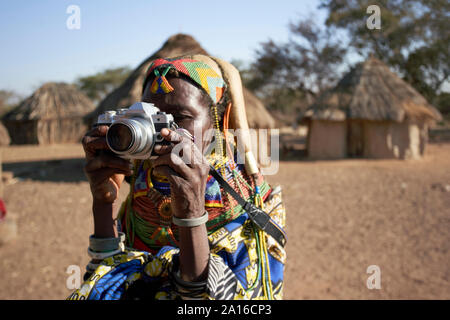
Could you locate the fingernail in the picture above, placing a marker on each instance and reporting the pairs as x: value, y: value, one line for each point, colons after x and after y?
x: 165, y: 131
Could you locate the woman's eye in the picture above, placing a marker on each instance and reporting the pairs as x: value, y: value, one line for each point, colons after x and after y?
x: 181, y: 117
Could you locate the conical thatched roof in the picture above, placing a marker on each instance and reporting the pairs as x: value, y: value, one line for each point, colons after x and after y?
x: 4, y: 136
x: 52, y: 101
x: 180, y: 44
x: 371, y: 91
x: 257, y: 115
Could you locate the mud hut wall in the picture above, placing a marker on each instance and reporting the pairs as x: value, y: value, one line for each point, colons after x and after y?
x: 418, y: 136
x: 423, y: 132
x: 378, y: 140
x: 64, y: 130
x: 1, y: 174
x: 355, y: 138
x: 385, y: 139
x: 327, y: 139
x: 22, y: 132
x: 5, y: 140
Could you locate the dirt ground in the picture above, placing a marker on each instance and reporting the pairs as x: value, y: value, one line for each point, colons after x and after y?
x: 343, y: 216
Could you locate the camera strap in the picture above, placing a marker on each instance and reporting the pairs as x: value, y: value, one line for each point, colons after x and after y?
x: 257, y: 215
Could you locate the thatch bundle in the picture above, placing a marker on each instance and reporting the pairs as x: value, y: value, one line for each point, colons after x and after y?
x: 371, y: 91
x: 52, y: 114
x: 131, y: 90
x: 370, y: 113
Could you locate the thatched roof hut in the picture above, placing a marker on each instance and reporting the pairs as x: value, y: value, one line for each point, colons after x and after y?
x: 180, y: 44
x: 52, y: 114
x: 4, y: 136
x: 370, y: 113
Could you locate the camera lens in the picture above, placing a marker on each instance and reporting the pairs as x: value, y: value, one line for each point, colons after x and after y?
x: 120, y: 137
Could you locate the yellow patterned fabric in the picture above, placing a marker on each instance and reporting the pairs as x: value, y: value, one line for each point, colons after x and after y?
x: 234, y: 267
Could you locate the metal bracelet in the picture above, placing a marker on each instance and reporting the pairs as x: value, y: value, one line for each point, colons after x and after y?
x: 91, y: 267
x: 102, y: 255
x: 106, y: 244
x: 193, y: 222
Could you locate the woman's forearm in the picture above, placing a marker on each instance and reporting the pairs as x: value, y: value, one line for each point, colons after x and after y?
x: 194, y: 253
x: 104, y: 223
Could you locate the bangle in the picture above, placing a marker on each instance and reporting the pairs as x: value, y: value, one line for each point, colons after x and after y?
x: 193, y: 222
x: 188, y: 284
x: 91, y: 267
x: 106, y: 244
x: 102, y: 255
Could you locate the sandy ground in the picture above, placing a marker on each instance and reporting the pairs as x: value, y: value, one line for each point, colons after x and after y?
x: 343, y: 216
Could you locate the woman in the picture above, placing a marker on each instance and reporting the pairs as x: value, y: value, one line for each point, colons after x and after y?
x: 180, y: 233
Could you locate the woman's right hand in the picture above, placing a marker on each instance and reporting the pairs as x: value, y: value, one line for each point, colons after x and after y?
x: 104, y: 170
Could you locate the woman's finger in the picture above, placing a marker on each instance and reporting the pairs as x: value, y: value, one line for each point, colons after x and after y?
x: 165, y: 171
x: 171, y: 135
x: 99, y: 131
x: 94, y: 140
x: 104, y: 174
x: 198, y: 158
x: 92, y: 145
x: 161, y: 149
x: 174, y: 162
x: 107, y: 161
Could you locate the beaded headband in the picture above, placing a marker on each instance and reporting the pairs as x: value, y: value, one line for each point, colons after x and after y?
x: 198, y: 71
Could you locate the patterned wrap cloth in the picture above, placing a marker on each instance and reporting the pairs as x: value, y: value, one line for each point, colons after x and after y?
x: 149, y: 266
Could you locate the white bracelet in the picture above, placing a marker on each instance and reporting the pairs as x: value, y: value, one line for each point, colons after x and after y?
x: 193, y: 222
x: 102, y: 255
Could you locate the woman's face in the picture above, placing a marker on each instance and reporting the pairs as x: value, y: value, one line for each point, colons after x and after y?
x: 188, y: 105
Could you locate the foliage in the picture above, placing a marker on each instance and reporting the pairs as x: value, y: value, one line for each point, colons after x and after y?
x: 414, y: 37
x: 442, y: 102
x: 8, y: 100
x: 308, y: 61
x: 97, y: 86
x: 288, y: 75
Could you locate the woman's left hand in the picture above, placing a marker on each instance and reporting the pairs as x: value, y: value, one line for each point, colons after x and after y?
x: 187, y: 174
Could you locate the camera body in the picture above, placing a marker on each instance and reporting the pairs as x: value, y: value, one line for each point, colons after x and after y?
x: 133, y: 132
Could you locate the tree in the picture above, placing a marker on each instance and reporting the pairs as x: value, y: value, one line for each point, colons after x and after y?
x: 8, y: 99
x: 97, y: 86
x: 309, y: 61
x: 414, y: 37
x: 442, y: 102
x: 288, y: 75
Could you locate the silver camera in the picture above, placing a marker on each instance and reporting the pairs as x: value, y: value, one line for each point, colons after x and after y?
x: 133, y: 132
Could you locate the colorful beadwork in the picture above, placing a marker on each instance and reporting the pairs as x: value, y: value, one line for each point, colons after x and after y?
x: 198, y: 71
x: 165, y: 211
x: 140, y: 217
x: 160, y: 84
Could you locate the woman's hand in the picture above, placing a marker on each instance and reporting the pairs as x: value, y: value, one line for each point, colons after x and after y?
x: 104, y: 170
x: 187, y: 174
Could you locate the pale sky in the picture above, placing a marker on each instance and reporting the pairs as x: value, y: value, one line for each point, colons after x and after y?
x: 38, y: 47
